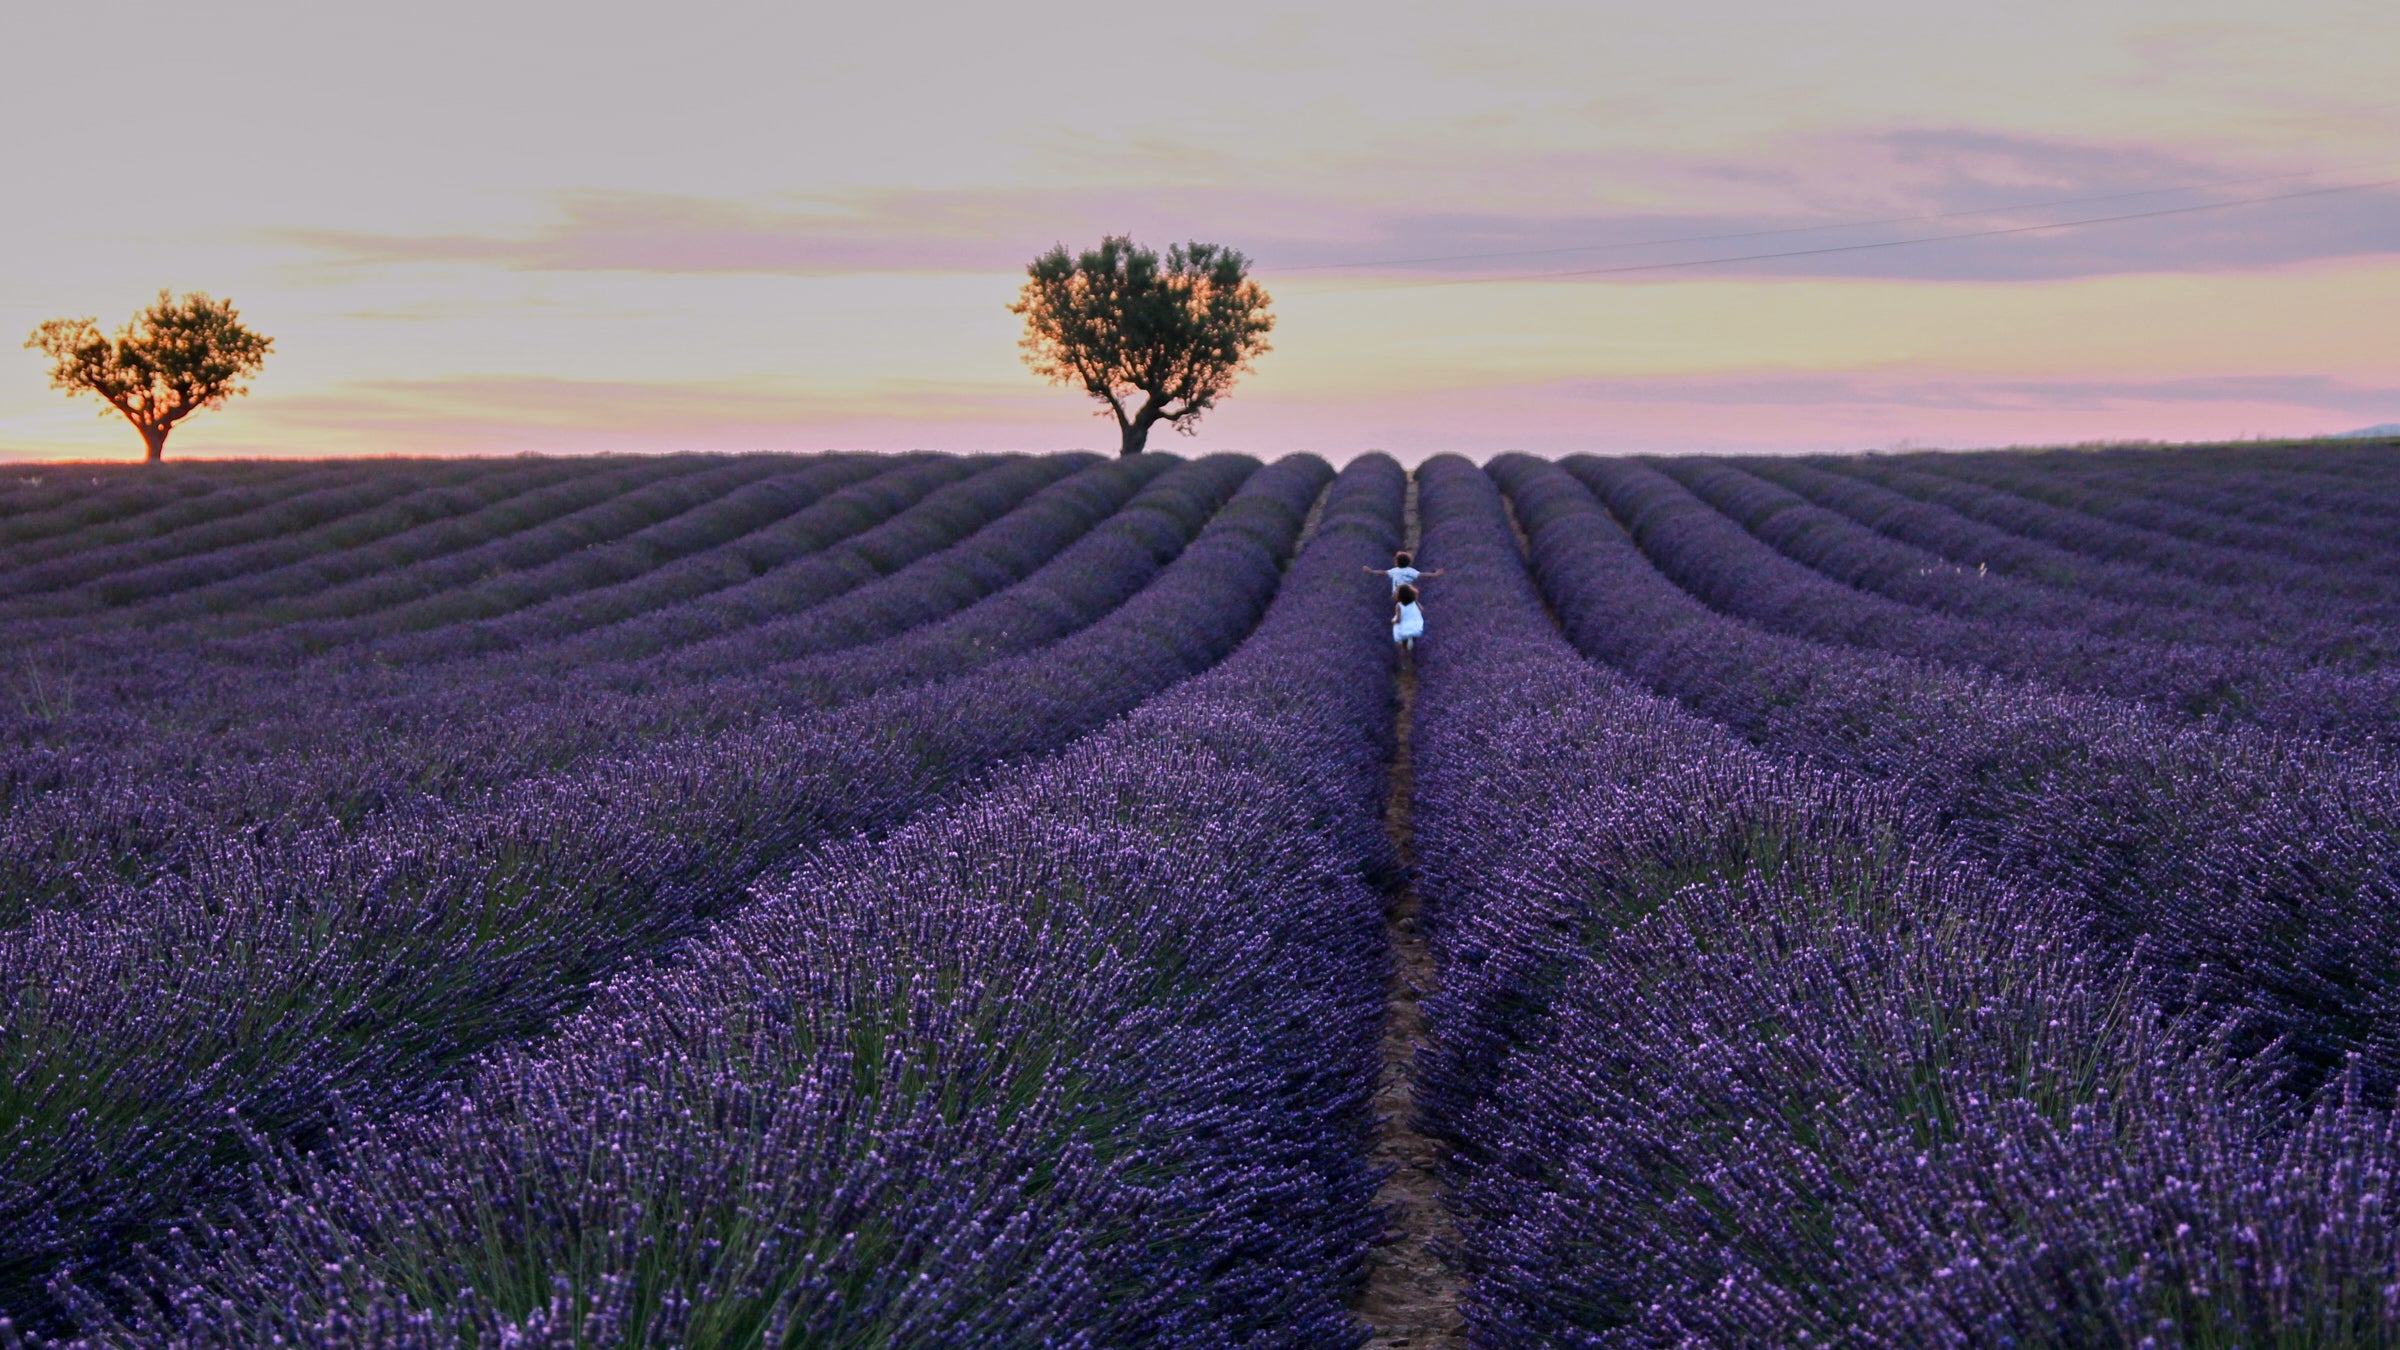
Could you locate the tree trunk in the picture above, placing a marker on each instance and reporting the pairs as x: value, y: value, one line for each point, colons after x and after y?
x: 155, y: 438
x: 1137, y: 431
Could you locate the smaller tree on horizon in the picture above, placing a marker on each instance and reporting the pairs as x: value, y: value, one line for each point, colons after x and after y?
x: 173, y: 359
x: 1124, y: 324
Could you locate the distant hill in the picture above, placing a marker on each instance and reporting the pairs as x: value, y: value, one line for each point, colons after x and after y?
x: 2379, y: 429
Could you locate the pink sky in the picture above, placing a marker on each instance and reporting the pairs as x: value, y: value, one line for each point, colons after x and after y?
x: 490, y: 228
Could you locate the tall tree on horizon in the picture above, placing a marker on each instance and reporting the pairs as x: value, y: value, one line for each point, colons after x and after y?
x: 173, y: 359
x: 1124, y: 324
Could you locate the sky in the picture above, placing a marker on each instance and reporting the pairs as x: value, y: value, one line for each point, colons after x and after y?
x: 498, y: 227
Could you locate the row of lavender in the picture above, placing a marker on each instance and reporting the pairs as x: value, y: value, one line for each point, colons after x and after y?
x: 1941, y: 506
x: 1839, y: 997
x: 52, y: 513
x: 2256, y: 865
x: 1085, y: 1060
x: 34, y: 497
x: 125, y: 566
x: 2249, y: 525
x: 158, y: 705
x: 600, y: 519
x: 2224, y: 497
x: 1751, y: 548
x: 660, y: 521
x: 2060, y: 922
x: 176, y: 546
x: 470, y: 725
x: 268, y: 988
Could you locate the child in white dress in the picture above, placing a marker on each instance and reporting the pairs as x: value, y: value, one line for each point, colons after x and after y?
x: 1408, y: 621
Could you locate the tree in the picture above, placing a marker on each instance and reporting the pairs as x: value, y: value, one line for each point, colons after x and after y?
x: 174, y: 359
x: 1121, y: 322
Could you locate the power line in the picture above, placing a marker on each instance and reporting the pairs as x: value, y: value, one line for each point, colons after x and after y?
x: 1887, y: 243
x: 1788, y: 229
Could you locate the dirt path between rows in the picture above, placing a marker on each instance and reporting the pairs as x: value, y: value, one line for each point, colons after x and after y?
x: 1411, y: 1297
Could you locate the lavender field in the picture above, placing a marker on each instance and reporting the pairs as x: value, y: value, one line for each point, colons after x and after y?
x: 892, y: 901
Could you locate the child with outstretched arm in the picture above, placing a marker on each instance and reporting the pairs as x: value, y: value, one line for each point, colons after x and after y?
x: 1403, y: 571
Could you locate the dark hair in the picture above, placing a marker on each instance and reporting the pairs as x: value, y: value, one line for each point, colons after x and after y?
x: 1406, y: 595
x: 1403, y: 559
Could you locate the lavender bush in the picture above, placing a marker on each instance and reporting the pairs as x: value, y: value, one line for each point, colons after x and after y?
x: 2294, y: 510
x: 263, y: 986
x: 932, y: 900
x: 2043, y: 637
x: 1737, y: 1052
x: 2256, y: 865
x: 151, y: 515
x: 53, y: 500
x: 286, y: 522
x: 382, y: 508
x: 2099, y: 537
x: 236, y: 604
x: 2267, y: 552
x: 124, y: 814
x: 2169, y: 605
x: 1084, y: 1061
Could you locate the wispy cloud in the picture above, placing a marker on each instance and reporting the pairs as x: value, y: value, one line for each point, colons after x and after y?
x: 957, y: 230
x: 1902, y: 205
x: 1917, y: 205
x: 1967, y: 394
x: 502, y: 413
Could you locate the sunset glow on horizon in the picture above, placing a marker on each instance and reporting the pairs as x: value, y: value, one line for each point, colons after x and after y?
x: 488, y: 229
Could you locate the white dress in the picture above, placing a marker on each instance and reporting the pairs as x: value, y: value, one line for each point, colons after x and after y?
x: 1411, y: 623
x: 1402, y: 576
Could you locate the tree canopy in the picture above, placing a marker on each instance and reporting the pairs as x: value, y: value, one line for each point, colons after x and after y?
x: 172, y: 360
x: 1125, y: 324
